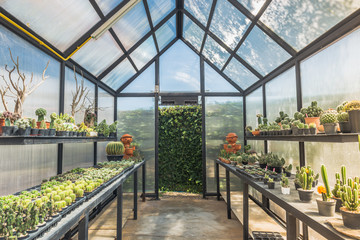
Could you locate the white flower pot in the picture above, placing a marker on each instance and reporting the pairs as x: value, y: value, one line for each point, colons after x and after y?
x: 285, y: 191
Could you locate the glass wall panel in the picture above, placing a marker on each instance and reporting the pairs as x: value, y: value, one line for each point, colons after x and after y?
x: 70, y: 90
x: 193, y: 33
x: 332, y: 75
x: 137, y: 117
x: 166, y: 33
x: 78, y: 155
x: 31, y: 60
x: 254, y: 105
x: 240, y: 74
x: 97, y: 55
x: 144, y: 83
x: 131, y: 27
x: 222, y: 116
x: 101, y: 153
x: 59, y: 22
x: 107, y: 5
x: 159, y: 9
x: 23, y: 167
x: 119, y: 75
x: 281, y: 95
x: 199, y: 9
x: 301, y: 22
x: 261, y: 52
x: 256, y: 145
x: 216, y: 54
x: 105, y: 106
x: 252, y: 5
x: 144, y: 53
x: 179, y: 69
x: 288, y: 150
x: 214, y: 82
x: 228, y: 23
x: 333, y: 79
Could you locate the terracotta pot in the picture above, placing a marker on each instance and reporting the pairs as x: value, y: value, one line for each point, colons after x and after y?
x: 38, y: 124
x: 2, y: 123
x: 315, y: 120
x: 256, y: 133
x: 350, y: 219
x: 326, y: 208
x: 47, y: 125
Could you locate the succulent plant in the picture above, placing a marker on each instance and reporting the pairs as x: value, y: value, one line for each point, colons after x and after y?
x: 43, y: 124
x: 41, y: 113
x: 352, y: 105
x: 305, y: 177
x: 324, y: 176
x: 7, y: 115
x: 312, y: 111
x: 329, y: 116
x: 340, y: 108
x: 350, y: 197
x: 343, y: 117
x: 312, y: 125
x: 23, y: 123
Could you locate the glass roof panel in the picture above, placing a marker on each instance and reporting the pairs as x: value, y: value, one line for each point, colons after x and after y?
x: 228, y: 23
x: 131, y: 27
x: 261, y: 52
x: 159, y: 9
x: 215, y: 53
x: 166, y: 33
x: 97, y: 55
x: 214, y: 82
x: 301, y: 22
x: 59, y: 22
x: 144, y: 53
x: 199, y: 9
x: 240, y: 74
x: 144, y: 83
x: 252, y: 5
x: 193, y: 33
x: 107, y: 5
x: 119, y: 75
x: 179, y: 69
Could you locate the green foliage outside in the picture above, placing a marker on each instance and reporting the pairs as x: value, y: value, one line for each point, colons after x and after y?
x: 180, y: 154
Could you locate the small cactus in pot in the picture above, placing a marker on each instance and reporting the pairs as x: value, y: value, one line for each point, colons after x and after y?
x: 326, y: 205
x: 329, y: 120
x: 350, y: 211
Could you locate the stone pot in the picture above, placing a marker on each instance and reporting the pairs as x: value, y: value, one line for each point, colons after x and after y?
x: 285, y: 191
x: 305, y: 195
x: 330, y: 128
x: 271, y: 185
x: 350, y: 219
x: 354, y: 119
x: 338, y: 204
x: 326, y: 208
x: 345, y: 127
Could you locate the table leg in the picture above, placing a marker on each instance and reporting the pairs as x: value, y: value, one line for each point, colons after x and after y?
x: 217, y: 181
x: 291, y: 227
x: 246, y: 211
x: 135, y: 193
x: 228, y: 198
x: 119, y: 213
x: 83, y: 228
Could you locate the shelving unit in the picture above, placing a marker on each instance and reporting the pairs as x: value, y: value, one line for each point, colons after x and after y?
x: 335, y: 138
x: 28, y: 140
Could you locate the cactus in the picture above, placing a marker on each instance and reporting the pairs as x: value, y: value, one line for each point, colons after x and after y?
x: 337, y: 189
x: 43, y: 124
x: 350, y: 197
x: 343, y: 174
x: 305, y: 177
x: 41, y: 113
x: 329, y: 116
x: 115, y: 148
x: 343, y: 117
x: 324, y: 176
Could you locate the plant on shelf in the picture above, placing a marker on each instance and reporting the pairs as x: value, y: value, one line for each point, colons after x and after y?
x: 103, y: 129
x: 41, y: 113
x: 53, y: 117
x: 113, y: 128
x: 340, y: 185
x: 282, y: 117
x: 24, y: 127
x: 312, y: 111
x: 329, y: 120
x: 275, y: 162
x: 353, y: 108
x: 115, y: 151
x: 305, y: 178
x: 350, y: 211
x: 266, y: 178
x: 312, y: 127
x: 271, y: 183
x: 285, y: 187
x: 326, y: 205
x: 287, y: 170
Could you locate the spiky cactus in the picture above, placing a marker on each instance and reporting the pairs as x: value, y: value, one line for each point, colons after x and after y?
x: 307, y: 178
x: 324, y: 176
x: 115, y: 148
x: 337, y: 189
x: 343, y: 174
x: 350, y: 197
x: 329, y: 116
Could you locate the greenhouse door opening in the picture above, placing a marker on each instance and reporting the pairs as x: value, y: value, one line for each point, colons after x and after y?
x: 180, y: 148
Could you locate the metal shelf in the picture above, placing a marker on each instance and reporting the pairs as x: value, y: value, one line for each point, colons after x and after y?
x: 28, y: 140
x: 339, y: 138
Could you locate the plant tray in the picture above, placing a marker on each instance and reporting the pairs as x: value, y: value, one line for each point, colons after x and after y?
x: 255, y: 177
x: 40, y: 232
x: 93, y: 193
x: 267, y: 235
x: 72, y: 206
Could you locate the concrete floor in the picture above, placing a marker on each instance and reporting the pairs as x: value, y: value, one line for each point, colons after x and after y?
x: 172, y: 217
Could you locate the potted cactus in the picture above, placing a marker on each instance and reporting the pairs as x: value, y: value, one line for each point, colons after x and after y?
x: 353, y: 108
x: 286, y: 129
x: 329, y: 120
x: 23, y: 127
x: 40, y: 113
x: 115, y: 151
x: 350, y: 211
x: 326, y: 205
x: 285, y: 188
x: 306, y: 179
x: 34, y: 130
x: 312, y: 127
x: 287, y: 170
x: 271, y: 183
x: 306, y: 129
x: 42, y: 129
x: 113, y: 129
x: 312, y: 114
x: 266, y: 178
x: 339, y: 187
x: 7, y: 130
x: 52, y: 130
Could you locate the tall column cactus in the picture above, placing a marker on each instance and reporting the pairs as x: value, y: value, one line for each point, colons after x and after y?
x: 350, y: 197
x: 343, y: 174
x: 307, y: 178
x: 324, y: 176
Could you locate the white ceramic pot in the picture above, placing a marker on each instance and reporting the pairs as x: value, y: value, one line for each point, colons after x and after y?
x: 285, y: 191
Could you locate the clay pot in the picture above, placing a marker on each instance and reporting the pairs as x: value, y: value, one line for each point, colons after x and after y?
x: 315, y: 120
x: 129, y: 151
x: 231, y: 138
x: 326, y: 208
x: 256, y: 133
x: 2, y: 123
x: 350, y: 219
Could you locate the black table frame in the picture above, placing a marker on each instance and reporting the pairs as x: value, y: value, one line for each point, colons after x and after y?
x: 81, y: 214
x: 292, y: 213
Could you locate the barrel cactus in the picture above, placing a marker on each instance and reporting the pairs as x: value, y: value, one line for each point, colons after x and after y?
x: 343, y: 117
x: 115, y: 148
x: 329, y: 116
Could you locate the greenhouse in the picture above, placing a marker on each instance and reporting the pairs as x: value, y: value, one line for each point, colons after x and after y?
x: 180, y: 119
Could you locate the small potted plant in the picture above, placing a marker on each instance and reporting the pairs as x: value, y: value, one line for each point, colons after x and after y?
x: 276, y: 163
x: 52, y: 130
x: 285, y: 188
x: 329, y: 120
x: 7, y: 130
x: 103, y: 129
x: 233, y: 159
x: 23, y: 127
x: 34, y: 130
x: 306, y: 129
x: 256, y: 132
x: 301, y: 127
x: 326, y: 205
x: 262, y: 160
x: 339, y: 186
x: 312, y: 113
x: 266, y: 178
x: 40, y: 113
x: 295, y: 127
x: 312, y: 127
x: 115, y: 151
x: 248, y: 131
x: 42, y: 129
x: 286, y: 129
x: 350, y: 211
x: 271, y: 183
x: 244, y: 159
x: 306, y: 178
x: 113, y: 129
x: 353, y: 108
x: 2, y: 122
x: 287, y: 170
